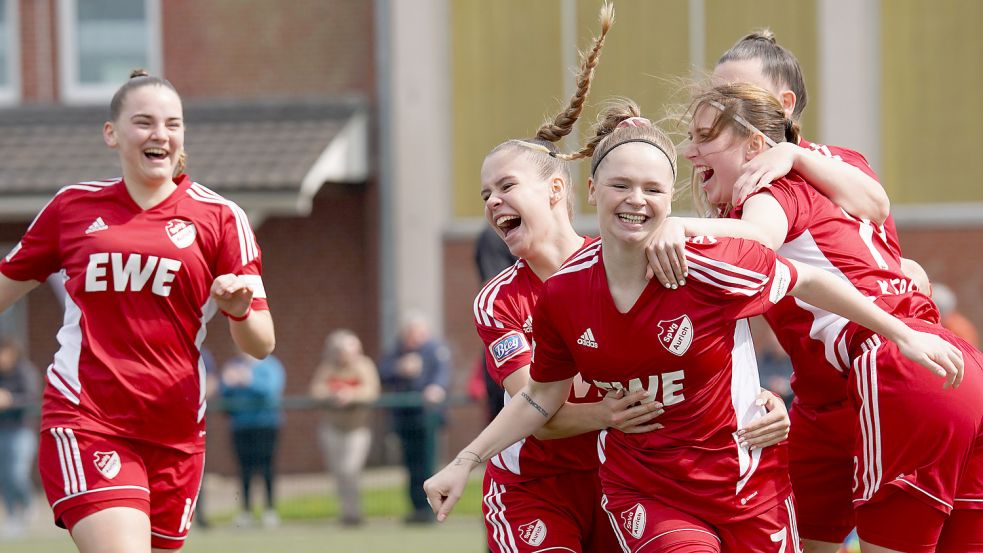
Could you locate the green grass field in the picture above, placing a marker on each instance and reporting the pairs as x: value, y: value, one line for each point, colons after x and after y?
x: 309, y: 526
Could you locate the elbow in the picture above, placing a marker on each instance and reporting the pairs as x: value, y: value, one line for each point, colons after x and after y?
x: 261, y: 348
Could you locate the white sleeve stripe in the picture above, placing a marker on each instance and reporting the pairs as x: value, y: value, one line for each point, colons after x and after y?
x: 729, y: 278
x: 256, y: 283
x: 690, y: 256
x: 241, y: 220
x: 698, y: 275
x: 484, y: 303
x: 583, y: 254
x: 579, y: 267
x: 247, y: 240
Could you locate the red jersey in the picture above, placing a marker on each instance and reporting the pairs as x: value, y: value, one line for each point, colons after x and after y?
x: 137, y: 283
x: 503, y: 312
x: 690, y: 349
x: 817, y: 381
x: 822, y: 235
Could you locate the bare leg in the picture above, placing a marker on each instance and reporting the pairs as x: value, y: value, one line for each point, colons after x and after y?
x: 113, y: 530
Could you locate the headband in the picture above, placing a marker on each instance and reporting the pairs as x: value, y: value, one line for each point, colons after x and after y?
x: 594, y: 164
x: 743, y: 122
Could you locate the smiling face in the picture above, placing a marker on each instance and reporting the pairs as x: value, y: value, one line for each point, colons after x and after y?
x: 148, y: 134
x: 519, y: 202
x: 717, y: 161
x: 632, y: 190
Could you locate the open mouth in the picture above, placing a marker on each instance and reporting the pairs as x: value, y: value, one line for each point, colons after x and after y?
x: 508, y: 223
x: 155, y: 153
x: 703, y: 173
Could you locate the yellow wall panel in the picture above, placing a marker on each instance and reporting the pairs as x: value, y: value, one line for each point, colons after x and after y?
x: 931, y: 88
x: 795, y: 26
x: 506, y: 75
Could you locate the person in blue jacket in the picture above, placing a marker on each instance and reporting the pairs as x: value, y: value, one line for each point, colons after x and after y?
x: 251, y: 391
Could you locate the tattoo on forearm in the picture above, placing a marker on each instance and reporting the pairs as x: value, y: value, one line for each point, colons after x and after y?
x: 535, y: 405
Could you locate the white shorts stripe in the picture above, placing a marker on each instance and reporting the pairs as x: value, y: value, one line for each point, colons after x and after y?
x: 77, y: 457
x: 98, y: 490
x: 501, y: 533
x: 674, y: 530
x: 614, y: 524
x: 69, y: 479
x: 793, y: 525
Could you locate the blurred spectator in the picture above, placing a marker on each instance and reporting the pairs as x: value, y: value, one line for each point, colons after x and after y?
x: 19, y: 391
x: 492, y: 256
x: 774, y: 366
x: 349, y: 381
x: 251, y: 391
x: 952, y: 319
x: 418, y: 367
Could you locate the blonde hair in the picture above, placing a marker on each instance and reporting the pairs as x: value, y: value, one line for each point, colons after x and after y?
x: 334, y: 343
x: 541, y: 149
x: 777, y: 63
x: 744, y: 109
x: 620, y: 121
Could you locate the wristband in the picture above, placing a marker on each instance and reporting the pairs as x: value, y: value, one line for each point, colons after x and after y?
x: 242, y: 318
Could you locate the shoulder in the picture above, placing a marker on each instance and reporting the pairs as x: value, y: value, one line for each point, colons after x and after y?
x: 85, y: 190
x: 203, y: 199
x: 579, y: 264
x: 494, y: 300
x: 731, y: 264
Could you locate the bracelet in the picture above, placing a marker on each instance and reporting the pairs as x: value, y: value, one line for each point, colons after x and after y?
x: 241, y: 318
x: 477, y: 458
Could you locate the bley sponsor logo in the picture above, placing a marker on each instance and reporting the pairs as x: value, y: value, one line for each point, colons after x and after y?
x: 507, y: 347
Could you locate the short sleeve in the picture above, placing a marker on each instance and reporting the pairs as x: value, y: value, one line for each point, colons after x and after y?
x: 746, y: 275
x: 506, y: 347
x: 794, y: 199
x: 551, y: 358
x: 239, y: 254
x: 37, y: 254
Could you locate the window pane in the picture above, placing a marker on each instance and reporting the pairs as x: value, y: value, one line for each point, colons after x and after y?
x: 112, y: 40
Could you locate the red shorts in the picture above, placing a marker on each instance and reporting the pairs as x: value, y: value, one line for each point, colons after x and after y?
x: 559, y: 513
x: 915, y: 436
x: 820, y: 466
x: 645, y: 525
x: 84, y: 472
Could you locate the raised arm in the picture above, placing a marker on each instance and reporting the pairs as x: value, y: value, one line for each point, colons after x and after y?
x: 856, y: 192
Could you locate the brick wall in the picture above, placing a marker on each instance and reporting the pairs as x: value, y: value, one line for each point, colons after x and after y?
x: 254, y: 48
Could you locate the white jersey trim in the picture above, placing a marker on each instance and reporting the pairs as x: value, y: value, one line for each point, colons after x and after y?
x: 63, y: 374
x: 744, y: 390
x: 618, y: 533
x: 484, y: 302
x: 588, y: 258
x: 255, y: 282
x: 248, y: 248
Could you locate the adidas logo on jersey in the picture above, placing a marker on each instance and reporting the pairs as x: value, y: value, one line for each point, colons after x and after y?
x: 587, y: 339
x: 96, y: 226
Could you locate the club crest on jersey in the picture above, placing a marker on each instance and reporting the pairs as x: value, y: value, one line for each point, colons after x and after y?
x: 108, y: 463
x: 634, y: 520
x: 181, y: 232
x: 507, y: 347
x: 533, y: 532
x: 676, y: 335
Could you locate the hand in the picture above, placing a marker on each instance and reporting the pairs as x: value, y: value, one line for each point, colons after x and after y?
x: 232, y: 294
x: 770, y: 429
x: 760, y: 172
x: 410, y: 365
x: 936, y: 354
x: 444, y: 489
x: 666, y: 253
x: 434, y: 394
x: 627, y: 414
x: 343, y: 397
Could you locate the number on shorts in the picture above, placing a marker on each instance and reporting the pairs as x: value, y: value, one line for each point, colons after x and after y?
x: 780, y: 536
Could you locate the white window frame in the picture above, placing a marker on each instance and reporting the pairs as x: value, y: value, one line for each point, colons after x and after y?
x: 10, y: 94
x: 74, y: 92
x: 14, y: 319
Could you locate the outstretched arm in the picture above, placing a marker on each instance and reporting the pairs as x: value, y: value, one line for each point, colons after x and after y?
x: 828, y: 292
x: 535, y: 404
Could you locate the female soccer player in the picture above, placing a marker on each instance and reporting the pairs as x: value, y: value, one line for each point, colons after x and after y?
x: 821, y: 440
x: 903, y: 493
x: 147, y: 260
x: 690, y: 485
